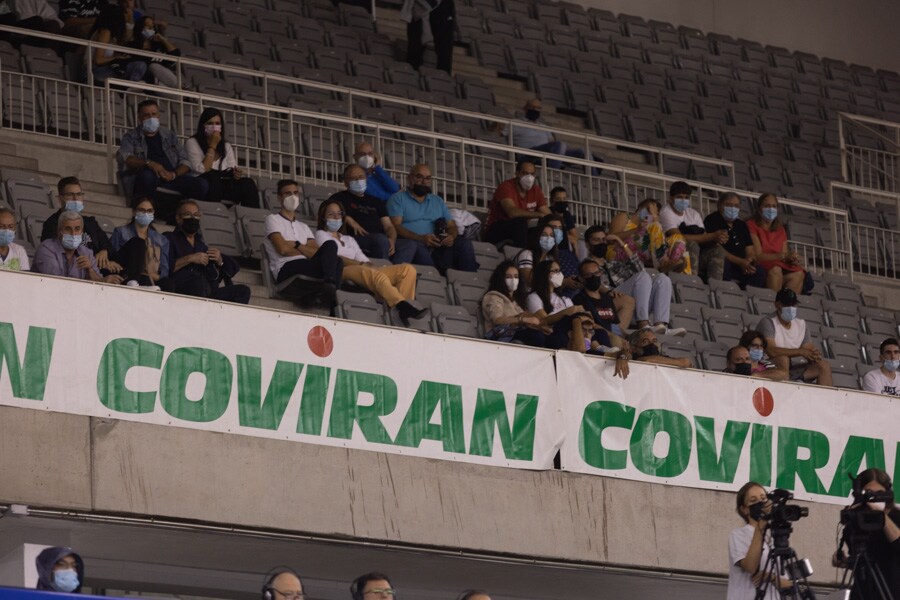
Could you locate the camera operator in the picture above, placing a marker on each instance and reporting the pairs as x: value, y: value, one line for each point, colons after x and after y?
x: 882, y: 547
x: 747, y: 550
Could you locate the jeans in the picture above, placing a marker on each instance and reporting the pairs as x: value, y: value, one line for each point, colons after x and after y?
x: 459, y: 256
x: 650, y: 294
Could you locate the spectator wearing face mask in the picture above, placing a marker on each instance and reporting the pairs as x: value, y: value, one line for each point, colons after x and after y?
x: 516, y: 201
x: 368, y: 221
x: 378, y: 183
x: 645, y: 348
x: 756, y: 346
x: 643, y: 235
x: 541, y: 246
x: 12, y: 256
x: 584, y: 337
x: 559, y: 206
x: 541, y: 140
x: 677, y: 217
x: 735, y: 258
x: 554, y: 310
x: 59, y: 569
x: 884, y: 380
x: 600, y: 302
x: 790, y: 346
x: 738, y: 361
x: 147, y: 36
x: 783, y: 266
x: 505, y: 319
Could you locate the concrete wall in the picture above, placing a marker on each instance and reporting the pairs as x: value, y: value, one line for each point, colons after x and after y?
x: 856, y: 32
x: 57, y: 460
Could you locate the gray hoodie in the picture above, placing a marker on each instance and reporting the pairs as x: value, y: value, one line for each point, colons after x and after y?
x: 48, y: 558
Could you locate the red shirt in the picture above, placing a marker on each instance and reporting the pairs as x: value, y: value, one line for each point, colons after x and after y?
x: 532, y: 200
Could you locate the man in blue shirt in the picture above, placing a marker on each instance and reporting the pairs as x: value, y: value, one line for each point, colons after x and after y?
x: 378, y: 183
x: 421, y: 216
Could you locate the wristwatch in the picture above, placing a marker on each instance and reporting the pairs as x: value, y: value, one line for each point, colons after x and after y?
x: 622, y: 356
x: 296, y: 244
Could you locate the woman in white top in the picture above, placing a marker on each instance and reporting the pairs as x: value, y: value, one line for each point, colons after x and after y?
x: 12, y: 256
x: 747, y: 549
x: 555, y: 311
x: 213, y: 159
x: 394, y: 284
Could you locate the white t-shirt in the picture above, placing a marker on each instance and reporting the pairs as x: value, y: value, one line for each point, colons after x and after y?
x: 16, y: 260
x: 669, y: 219
x: 291, y: 231
x: 876, y: 381
x: 558, y: 303
x: 740, y: 584
x: 347, y: 246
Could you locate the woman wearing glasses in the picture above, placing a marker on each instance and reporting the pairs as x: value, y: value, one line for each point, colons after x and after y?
x: 394, y: 284
x: 756, y: 344
x: 142, y: 251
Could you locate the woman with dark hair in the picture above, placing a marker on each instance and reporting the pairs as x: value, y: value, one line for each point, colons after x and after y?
x: 756, y: 345
x: 770, y: 243
x: 554, y: 310
x: 541, y: 246
x: 148, y: 37
x: 142, y: 251
x: 394, y: 284
x: 882, y: 547
x: 747, y: 549
x: 641, y: 234
x: 504, y: 318
x: 213, y: 159
x: 109, y: 28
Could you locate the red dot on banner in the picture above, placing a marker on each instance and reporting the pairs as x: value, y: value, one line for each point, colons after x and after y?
x: 763, y: 401
x: 320, y: 341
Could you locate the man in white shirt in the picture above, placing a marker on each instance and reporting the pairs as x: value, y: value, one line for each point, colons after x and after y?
x: 12, y: 256
x: 678, y: 216
x: 788, y: 338
x: 884, y: 380
x: 292, y: 250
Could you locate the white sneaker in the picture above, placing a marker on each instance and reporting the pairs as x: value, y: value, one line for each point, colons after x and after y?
x: 678, y: 331
x: 658, y: 328
x: 152, y: 288
x: 133, y: 283
x: 608, y: 349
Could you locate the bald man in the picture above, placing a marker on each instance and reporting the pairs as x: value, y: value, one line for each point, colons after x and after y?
x: 378, y: 183
x: 285, y: 586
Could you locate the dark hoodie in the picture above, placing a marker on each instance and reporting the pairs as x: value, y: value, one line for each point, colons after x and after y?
x: 48, y: 558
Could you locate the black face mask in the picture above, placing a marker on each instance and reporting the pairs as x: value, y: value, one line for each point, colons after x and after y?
x: 599, y: 250
x: 650, y: 350
x: 421, y: 190
x: 743, y: 369
x: 592, y: 283
x: 190, y: 226
x: 532, y: 115
x: 560, y: 207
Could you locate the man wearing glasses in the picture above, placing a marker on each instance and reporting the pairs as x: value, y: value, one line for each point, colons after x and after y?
x: 372, y: 586
x: 71, y: 197
x: 422, y: 216
x: 284, y: 586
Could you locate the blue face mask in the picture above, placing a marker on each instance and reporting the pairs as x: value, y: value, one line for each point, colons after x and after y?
x: 892, y: 365
x: 756, y: 354
x: 681, y: 204
x: 558, y: 236
x: 7, y: 236
x: 143, y: 219
x: 65, y: 580
x: 150, y: 125
x: 357, y: 186
x: 770, y: 213
x: 76, y: 205
x: 731, y: 213
x: 547, y: 243
x: 644, y: 215
x: 788, y: 313
x: 71, y: 242
x: 333, y: 224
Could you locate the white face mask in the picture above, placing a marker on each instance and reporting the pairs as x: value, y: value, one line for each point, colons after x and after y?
x: 556, y: 280
x: 879, y: 506
x: 512, y: 283
x: 291, y: 202
x: 366, y: 162
x: 526, y: 181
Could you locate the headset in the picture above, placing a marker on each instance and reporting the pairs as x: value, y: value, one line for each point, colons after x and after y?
x: 266, y: 591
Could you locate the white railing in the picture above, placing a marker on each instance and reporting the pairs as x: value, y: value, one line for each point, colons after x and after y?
x: 351, y: 100
x: 863, y: 163
x: 874, y: 248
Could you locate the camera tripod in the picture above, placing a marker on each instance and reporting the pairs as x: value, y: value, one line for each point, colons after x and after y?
x: 783, y: 560
x: 863, y: 574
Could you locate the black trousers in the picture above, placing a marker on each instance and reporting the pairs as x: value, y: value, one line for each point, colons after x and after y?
x: 443, y: 24
x: 513, y: 230
x: 240, y: 191
x: 324, y: 264
x: 133, y: 258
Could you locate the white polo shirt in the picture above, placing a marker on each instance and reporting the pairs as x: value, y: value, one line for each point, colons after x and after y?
x: 291, y: 231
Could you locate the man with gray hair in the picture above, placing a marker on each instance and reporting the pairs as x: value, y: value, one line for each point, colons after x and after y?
x: 66, y: 255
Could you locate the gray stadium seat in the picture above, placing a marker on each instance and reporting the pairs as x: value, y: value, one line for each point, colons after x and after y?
x: 359, y: 307
x: 453, y: 320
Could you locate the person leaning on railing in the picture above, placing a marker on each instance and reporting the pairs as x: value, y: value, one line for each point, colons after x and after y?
x: 109, y: 28
x: 147, y: 36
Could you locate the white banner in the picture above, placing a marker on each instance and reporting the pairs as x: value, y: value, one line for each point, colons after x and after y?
x: 111, y: 351
x: 717, y: 431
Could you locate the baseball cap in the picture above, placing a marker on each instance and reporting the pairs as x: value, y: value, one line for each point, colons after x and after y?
x: 787, y: 297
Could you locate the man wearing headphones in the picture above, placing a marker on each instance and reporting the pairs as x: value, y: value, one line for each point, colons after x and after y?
x: 372, y: 586
x: 282, y: 583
